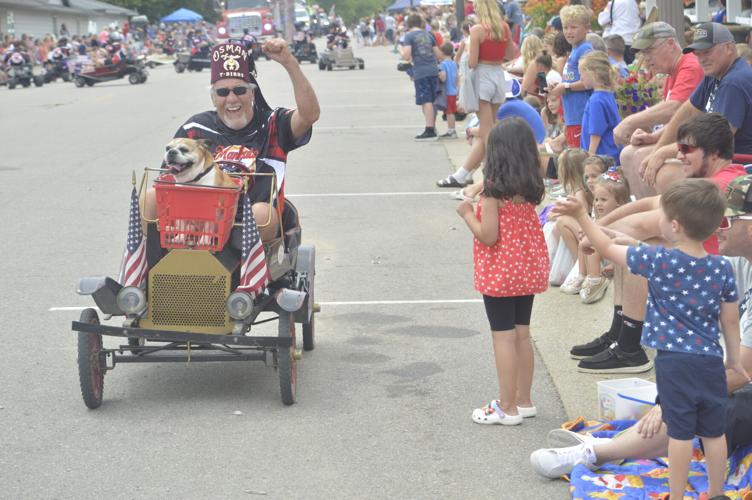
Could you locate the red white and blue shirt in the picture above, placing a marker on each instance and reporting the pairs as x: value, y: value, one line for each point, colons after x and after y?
x: 684, y: 298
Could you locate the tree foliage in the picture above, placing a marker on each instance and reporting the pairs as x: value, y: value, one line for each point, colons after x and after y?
x: 156, y: 9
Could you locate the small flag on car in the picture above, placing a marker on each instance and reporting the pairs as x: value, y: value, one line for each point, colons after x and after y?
x: 254, y: 275
x: 133, y: 266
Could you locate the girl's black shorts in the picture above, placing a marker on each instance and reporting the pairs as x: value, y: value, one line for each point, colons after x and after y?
x: 506, y: 312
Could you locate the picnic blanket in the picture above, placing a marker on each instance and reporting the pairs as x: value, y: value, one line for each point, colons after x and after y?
x: 648, y: 479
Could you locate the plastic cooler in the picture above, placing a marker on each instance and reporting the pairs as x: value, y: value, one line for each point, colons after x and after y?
x: 625, y: 399
x: 195, y: 217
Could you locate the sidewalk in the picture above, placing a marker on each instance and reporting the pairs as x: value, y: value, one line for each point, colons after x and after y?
x: 559, y: 321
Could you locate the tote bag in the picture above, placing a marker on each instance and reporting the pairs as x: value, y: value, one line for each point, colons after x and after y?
x: 468, y: 98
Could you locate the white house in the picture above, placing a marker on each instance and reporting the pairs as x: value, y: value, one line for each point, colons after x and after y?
x: 40, y: 17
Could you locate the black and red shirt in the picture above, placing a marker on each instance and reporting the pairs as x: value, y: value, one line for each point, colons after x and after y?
x: 261, y: 146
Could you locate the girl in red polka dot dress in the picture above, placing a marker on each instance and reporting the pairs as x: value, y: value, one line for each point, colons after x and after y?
x: 511, y: 263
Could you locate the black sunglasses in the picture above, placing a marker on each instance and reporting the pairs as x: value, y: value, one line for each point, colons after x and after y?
x: 240, y: 90
x: 685, y: 148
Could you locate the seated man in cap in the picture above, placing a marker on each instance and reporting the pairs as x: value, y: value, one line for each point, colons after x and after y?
x: 661, y: 52
x: 725, y: 90
x: 245, y: 130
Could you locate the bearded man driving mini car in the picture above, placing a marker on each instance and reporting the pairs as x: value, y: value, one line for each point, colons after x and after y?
x: 244, y: 130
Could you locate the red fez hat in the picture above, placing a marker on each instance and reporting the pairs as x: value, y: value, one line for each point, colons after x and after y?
x: 233, y: 60
x: 229, y: 60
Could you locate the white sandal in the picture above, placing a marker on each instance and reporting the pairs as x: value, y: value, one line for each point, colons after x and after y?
x: 492, y: 415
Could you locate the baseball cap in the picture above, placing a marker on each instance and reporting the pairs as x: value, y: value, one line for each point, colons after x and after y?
x: 739, y: 196
x: 651, y: 32
x: 708, y: 35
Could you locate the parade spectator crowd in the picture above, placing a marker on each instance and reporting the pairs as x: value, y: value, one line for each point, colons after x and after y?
x: 644, y: 131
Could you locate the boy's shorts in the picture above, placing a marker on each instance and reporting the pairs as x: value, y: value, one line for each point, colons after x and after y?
x: 451, y: 107
x: 573, y: 135
x: 693, y: 394
x: 426, y: 89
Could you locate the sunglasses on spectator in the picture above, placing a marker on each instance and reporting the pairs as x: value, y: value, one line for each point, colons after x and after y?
x: 686, y: 148
x: 239, y: 90
x: 726, y: 221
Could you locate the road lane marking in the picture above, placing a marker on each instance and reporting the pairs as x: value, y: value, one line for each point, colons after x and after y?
x: 338, y: 303
x: 367, y: 127
x: 396, y: 193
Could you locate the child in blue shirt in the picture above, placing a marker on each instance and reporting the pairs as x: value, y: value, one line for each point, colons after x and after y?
x: 601, y: 113
x: 689, y: 291
x: 448, y: 79
x: 576, y: 20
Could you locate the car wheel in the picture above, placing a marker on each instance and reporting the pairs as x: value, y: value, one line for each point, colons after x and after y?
x: 134, y: 78
x: 180, y: 67
x: 287, y: 360
x: 91, y: 367
x: 38, y: 81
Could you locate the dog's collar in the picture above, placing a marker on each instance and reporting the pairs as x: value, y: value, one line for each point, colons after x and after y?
x: 199, y: 176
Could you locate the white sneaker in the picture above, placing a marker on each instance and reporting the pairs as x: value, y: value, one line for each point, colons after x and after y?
x: 572, y: 285
x: 555, y: 462
x: 594, y: 289
x: 562, y: 438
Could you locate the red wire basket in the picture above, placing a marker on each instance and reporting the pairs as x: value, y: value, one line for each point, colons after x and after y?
x: 195, y: 217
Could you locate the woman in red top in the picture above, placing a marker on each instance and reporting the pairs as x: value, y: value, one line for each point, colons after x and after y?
x: 487, y: 49
x: 511, y: 263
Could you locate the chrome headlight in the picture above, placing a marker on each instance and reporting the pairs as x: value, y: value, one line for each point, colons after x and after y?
x: 222, y: 30
x: 131, y: 300
x: 267, y: 27
x: 239, y: 305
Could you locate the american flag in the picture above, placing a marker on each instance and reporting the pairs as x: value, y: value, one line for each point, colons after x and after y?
x: 133, y: 266
x: 254, y: 275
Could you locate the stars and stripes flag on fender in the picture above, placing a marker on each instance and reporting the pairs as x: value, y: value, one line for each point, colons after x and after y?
x: 254, y: 275
x: 133, y: 266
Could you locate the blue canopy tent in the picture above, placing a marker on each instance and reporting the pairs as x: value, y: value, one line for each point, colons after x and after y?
x: 182, y: 16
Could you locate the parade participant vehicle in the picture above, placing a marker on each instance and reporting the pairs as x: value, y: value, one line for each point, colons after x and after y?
x: 303, y: 47
x: 339, y: 53
x: 134, y: 70
x: 255, y: 16
x: 194, y: 60
x: 56, y: 66
x: 340, y: 57
x: 193, y: 304
x: 21, y: 72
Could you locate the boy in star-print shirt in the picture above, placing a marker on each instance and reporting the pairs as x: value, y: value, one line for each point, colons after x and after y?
x: 689, y: 292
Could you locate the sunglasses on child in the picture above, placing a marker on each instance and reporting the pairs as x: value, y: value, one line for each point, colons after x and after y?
x: 726, y: 221
x: 686, y: 148
x: 239, y: 90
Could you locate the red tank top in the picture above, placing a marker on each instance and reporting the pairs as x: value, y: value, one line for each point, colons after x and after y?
x: 494, y: 50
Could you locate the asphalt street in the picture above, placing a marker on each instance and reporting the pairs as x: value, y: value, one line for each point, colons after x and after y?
x: 403, y: 350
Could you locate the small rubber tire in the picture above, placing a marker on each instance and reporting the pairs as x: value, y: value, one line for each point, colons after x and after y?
x: 79, y: 82
x: 66, y: 76
x: 26, y: 83
x: 38, y: 81
x: 12, y: 83
x: 329, y: 66
x: 143, y: 78
x: 286, y: 362
x: 90, y: 365
x: 89, y: 83
x: 179, y: 67
x: 134, y: 78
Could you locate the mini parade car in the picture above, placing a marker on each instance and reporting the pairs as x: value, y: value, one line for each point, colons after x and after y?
x: 192, y: 61
x: 22, y: 72
x: 305, y: 51
x: 340, y: 57
x: 190, y: 309
x: 134, y: 70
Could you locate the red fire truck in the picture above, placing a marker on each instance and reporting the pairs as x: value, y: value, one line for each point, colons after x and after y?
x: 253, y: 15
